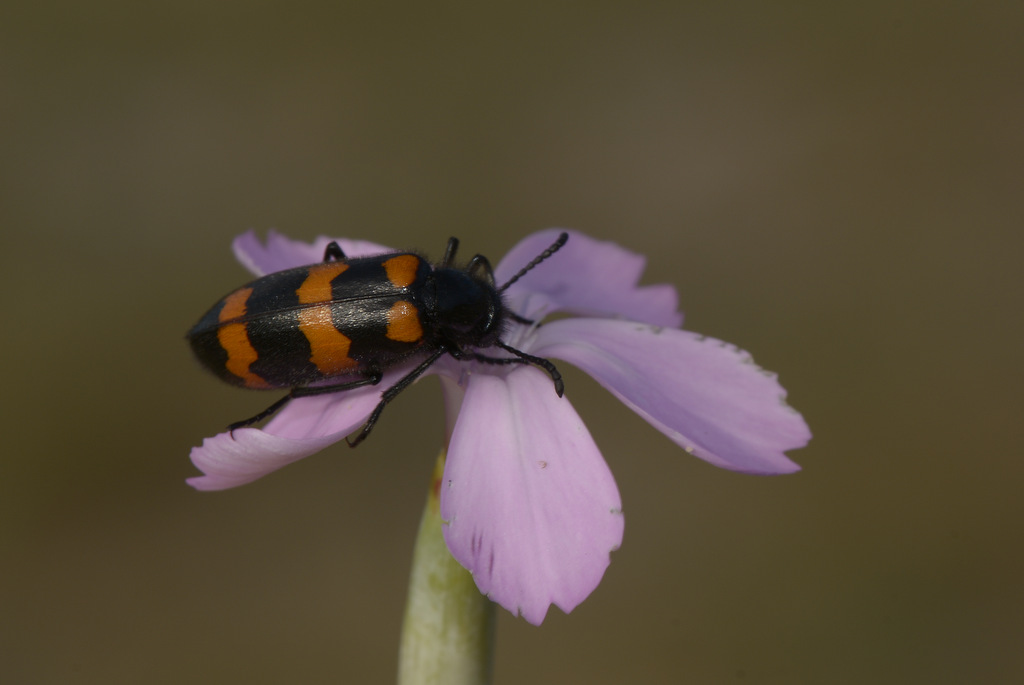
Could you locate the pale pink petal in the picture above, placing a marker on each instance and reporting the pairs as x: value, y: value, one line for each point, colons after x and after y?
x: 305, y: 425
x: 280, y: 253
x: 587, y: 277
x: 334, y: 414
x: 530, y: 506
x: 250, y: 454
x: 706, y: 395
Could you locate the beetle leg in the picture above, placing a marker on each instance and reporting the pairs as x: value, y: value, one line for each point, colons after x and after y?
x: 272, y: 409
x: 519, y: 319
x: 373, y: 378
x: 449, y: 253
x: 392, y: 392
x: 496, y: 360
x: 306, y: 391
x: 522, y: 357
x: 334, y: 252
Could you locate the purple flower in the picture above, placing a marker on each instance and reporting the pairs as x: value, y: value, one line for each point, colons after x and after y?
x: 529, y: 505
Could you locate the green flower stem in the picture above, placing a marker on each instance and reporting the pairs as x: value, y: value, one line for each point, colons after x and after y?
x: 448, y: 631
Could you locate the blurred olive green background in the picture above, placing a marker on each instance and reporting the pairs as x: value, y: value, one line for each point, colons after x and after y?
x: 835, y: 188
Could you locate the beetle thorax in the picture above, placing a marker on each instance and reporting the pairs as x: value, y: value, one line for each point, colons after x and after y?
x: 468, y: 311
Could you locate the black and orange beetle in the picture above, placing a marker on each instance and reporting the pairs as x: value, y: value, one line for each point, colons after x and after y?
x: 349, y: 320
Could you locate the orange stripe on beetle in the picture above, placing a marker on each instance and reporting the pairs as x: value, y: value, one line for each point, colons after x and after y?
x: 401, y: 270
x: 234, y: 305
x: 327, y: 345
x: 404, y: 322
x: 234, y: 339
x: 317, y: 286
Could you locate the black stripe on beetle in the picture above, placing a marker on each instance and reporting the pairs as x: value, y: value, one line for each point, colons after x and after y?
x: 350, y: 320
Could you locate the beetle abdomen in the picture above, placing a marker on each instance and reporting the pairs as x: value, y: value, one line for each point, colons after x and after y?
x: 304, y: 325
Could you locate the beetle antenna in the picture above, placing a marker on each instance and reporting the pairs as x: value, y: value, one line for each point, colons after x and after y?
x: 555, y: 247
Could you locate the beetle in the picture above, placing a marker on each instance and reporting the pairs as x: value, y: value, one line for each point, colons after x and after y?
x: 341, y: 323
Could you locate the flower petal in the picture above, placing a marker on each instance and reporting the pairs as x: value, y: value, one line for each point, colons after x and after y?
x: 334, y: 414
x: 229, y: 461
x: 303, y: 426
x: 530, y: 506
x: 282, y: 253
x: 704, y: 394
x: 586, y: 276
